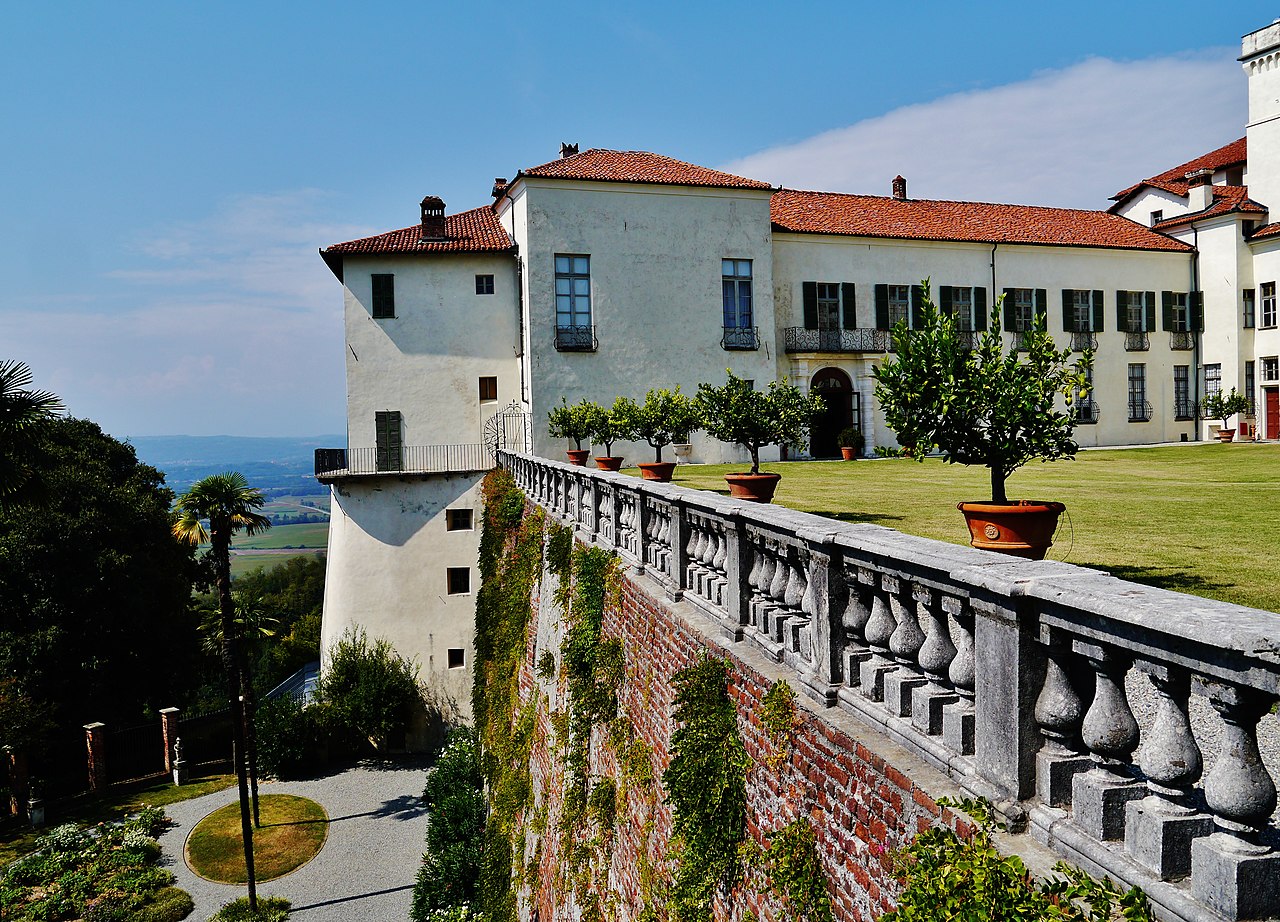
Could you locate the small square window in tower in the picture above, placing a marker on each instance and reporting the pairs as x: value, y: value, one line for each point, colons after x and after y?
x: 484, y: 284
x: 489, y: 387
x: 459, y: 580
x: 457, y: 658
x: 457, y: 520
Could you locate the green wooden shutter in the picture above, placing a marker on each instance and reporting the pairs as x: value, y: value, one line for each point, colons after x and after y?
x: 1166, y: 313
x: 1097, y: 311
x: 979, y: 308
x: 810, y: 290
x: 946, y: 299
x: 1010, y: 321
x: 1068, y: 315
x: 388, y: 437
x: 1042, y: 307
x: 848, y: 306
x: 1151, y: 311
x: 1196, y: 309
x: 917, y: 306
x: 383, y: 304
x: 882, y: 307
x: 1122, y: 311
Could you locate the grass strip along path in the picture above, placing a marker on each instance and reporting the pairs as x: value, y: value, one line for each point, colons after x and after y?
x: 293, y: 831
x: 1198, y: 518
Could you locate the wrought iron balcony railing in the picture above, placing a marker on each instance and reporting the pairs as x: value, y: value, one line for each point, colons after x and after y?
x: 576, y: 339
x: 1082, y: 340
x: 1136, y: 342
x: 335, y: 463
x: 1085, y: 411
x: 740, y: 339
x: 1183, y: 408
x: 1139, y: 411
x: 860, y: 339
x: 1181, y: 341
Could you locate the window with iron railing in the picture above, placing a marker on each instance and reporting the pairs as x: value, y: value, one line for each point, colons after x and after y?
x: 574, y: 329
x: 1182, y: 407
x: 737, y: 305
x: 1139, y: 409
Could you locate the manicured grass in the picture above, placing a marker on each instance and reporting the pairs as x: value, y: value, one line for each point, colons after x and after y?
x: 312, y: 534
x: 18, y: 840
x: 1196, y: 518
x: 293, y: 831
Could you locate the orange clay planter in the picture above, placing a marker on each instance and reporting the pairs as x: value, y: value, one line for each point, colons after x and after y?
x: 609, y: 463
x: 1023, y: 528
x: 578, y: 456
x: 754, y: 488
x: 660, y: 471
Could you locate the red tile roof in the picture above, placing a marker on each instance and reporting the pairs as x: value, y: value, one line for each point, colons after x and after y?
x: 1266, y: 230
x: 474, y: 231
x: 637, y: 166
x: 1226, y: 200
x: 977, y: 222
x: 1175, y: 180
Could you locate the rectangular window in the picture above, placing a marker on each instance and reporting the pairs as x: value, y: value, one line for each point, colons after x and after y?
x: 1082, y: 311
x: 962, y: 308
x: 1157, y: 217
x: 899, y: 304
x: 573, y: 291
x: 1247, y: 296
x: 1250, y: 388
x: 1024, y: 310
x: 1271, y: 369
x: 828, y: 306
x: 457, y: 520
x: 484, y: 284
x: 1179, y: 319
x: 1139, y: 412
x: 1182, y: 392
x: 489, y: 387
x: 1136, y: 312
x: 457, y: 658
x: 1085, y: 409
x: 1267, y: 296
x: 735, y: 282
x: 388, y: 433
x: 1212, y: 380
x: 384, y: 296
x: 459, y: 580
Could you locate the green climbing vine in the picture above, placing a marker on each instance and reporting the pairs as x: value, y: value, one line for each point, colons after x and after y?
x: 795, y: 873
x: 778, y: 717
x: 706, y: 786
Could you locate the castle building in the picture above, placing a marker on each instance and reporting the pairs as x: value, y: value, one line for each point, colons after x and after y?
x: 606, y: 273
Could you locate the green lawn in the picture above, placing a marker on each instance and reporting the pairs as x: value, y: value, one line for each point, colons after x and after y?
x: 1198, y: 518
x: 293, y: 831
x: 315, y: 534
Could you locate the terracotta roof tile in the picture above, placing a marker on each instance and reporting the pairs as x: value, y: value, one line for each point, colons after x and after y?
x: 1265, y: 231
x: 640, y: 167
x: 474, y: 231
x: 1175, y: 180
x: 1226, y: 200
x: 977, y: 222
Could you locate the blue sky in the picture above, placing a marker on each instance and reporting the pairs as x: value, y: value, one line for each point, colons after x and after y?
x: 169, y: 171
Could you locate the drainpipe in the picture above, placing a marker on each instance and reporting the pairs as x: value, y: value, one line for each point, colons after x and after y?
x: 1195, y: 338
x: 993, y: 277
x: 520, y: 318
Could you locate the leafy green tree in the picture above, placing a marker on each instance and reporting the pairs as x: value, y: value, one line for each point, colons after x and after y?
x: 95, y: 619
x: 572, y: 422
x: 21, y: 408
x: 664, y: 417
x: 455, y: 801
x: 737, y: 412
x: 1224, y: 406
x: 369, y: 689
x: 982, y: 405
x: 229, y: 505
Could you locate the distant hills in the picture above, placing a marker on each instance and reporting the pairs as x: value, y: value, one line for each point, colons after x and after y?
x: 276, y: 465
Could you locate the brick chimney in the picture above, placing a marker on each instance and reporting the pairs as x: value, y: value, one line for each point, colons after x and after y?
x: 432, y: 218
x: 899, y: 188
x: 1199, y: 190
x: 499, y: 186
x: 567, y: 150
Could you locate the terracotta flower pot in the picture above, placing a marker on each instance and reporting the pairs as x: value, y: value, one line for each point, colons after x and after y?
x: 609, y: 463
x: 849, y: 454
x: 1226, y: 435
x: 578, y: 456
x: 1023, y: 528
x: 657, y: 470
x: 754, y: 488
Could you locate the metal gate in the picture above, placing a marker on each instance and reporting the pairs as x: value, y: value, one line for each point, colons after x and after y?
x: 510, y: 429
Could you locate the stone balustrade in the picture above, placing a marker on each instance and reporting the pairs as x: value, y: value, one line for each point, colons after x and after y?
x: 1010, y: 676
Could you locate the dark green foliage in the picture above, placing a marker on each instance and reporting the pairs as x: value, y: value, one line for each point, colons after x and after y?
x: 292, y: 596
x: 737, y: 412
x: 369, y: 690
x: 560, y: 551
x: 94, y: 589
x: 455, y: 802
x: 270, y: 909
x: 795, y: 873
x: 288, y: 736
x: 706, y: 785
x: 168, y: 904
x: 947, y: 878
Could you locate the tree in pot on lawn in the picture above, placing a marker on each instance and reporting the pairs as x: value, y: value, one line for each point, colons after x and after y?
x: 664, y: 416
x: 572, y: 422
x: 1224, y: 406
x: 613, y: 424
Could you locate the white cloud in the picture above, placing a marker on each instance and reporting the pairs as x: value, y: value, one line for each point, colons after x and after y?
x: 1070, y: 137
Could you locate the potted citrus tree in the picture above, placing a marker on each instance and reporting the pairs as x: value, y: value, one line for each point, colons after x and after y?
x: 850, y: 441
x: 617, y: 423
x: 1224, y: 406
x: 573, y: 423
x: 737, y: 412
x: 985, y: 406
x: 664, y: 416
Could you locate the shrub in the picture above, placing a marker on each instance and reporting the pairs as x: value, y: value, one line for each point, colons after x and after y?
x: 455, y: 802
x: 369, y: 689
x: 270, y: 909
x: 166, y: 905
x: 737, y: 412
x: 67, y: 839
x: 666, y: 416
x: 137, y: 841
x: 286, y: 737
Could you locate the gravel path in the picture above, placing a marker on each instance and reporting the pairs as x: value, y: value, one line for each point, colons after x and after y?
x: 377, y: 828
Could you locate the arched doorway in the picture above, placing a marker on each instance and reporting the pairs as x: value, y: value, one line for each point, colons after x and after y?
x: 836, y: 391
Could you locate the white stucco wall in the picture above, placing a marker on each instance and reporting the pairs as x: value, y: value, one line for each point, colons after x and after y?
x: 1261, y: 51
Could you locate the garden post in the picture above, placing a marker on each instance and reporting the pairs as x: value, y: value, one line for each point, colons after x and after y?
x: 169, y: 732
x: 95, y: 738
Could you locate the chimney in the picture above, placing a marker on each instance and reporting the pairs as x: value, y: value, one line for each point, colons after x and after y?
x: 499, y: 186
x: 432, y: 218
x: 567, y: 150
x: 1199, y: 190
x: 899, y: 188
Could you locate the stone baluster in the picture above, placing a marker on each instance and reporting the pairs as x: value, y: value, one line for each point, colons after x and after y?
x: 904, y: 644
x: 935, y: 658
x: 1236, y: 870
x: 719, y: 575
x: 958, y: 717
x: 788, y: 634
x: 804, y: 625
x: 880, y: 627
x: 595, y: 502
x: 1057, y: 713
x: 693, y: 555
x: 1160, y: 828
x: 1098, y: 796
x: 757, y: 564
x: 640, y: 519
x: 774, y: 611
x: 764, y: 580
x: 857, y: 612
x: 663, y: 540
x: 706, y: 556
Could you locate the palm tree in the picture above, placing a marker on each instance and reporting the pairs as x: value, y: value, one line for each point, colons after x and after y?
x: 229, y: 505
x: 20, y: 409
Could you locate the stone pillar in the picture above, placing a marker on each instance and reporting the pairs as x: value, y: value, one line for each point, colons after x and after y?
x: 1007, y: 671
x: 95, y: 738
x: 640, y: 528
x: 169, y: 729
x: 737, y: 572
x: 825, y: 592
x: 677, y: 542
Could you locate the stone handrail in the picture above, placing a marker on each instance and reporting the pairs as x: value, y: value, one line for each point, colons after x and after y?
x: 1011, y: 676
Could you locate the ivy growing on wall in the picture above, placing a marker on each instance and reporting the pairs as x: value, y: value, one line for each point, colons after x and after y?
x: 795, y: 873
x: 778, y: 717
